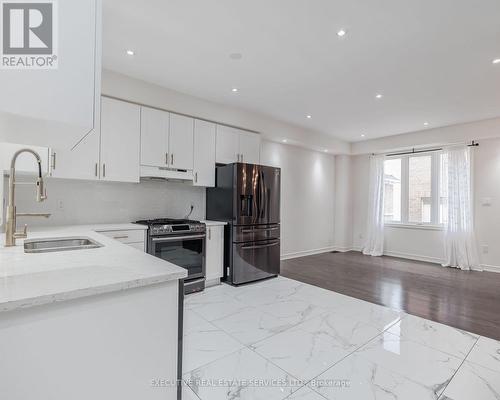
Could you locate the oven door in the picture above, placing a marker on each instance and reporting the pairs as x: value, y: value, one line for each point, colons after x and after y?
x: 187, y: 251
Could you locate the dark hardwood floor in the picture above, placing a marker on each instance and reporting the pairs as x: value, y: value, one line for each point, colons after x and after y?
x: 462, y: 299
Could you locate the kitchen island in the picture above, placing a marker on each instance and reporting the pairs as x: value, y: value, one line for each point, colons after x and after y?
x: 94, y: 323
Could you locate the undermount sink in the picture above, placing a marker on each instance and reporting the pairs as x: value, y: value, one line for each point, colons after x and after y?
x: 59, y: 244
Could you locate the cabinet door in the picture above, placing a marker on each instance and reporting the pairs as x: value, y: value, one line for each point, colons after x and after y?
x: 81, y: 162
x: 120, y: 140
x: 227, y: 145
x: 215, y: 252
x: 204, y: 153
x: 25, y: 162
x: 181, y: 142
x: 249, y: 147
x: 154, y: 137
x: 55, y: 108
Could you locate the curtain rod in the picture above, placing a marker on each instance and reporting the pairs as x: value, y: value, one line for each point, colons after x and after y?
x: 413, y: 151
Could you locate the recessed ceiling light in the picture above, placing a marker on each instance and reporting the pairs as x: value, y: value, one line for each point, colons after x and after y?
x: 496, y: 61
x: 325, y: 151
x: 130, y: 52
x: 284, y: 140
x: 235, y: 56
x: 308, y: 116
x: 426, y: 124
x: 379, y: 96
x: 341, y: 33
x: 363, y: 135
x: 234, y: 90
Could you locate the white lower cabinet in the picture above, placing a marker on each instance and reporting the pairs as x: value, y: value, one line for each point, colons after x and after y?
x: 214, y: 254
x: 133, y: 237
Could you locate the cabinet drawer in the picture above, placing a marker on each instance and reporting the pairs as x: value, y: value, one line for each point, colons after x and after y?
x: 132, y: 236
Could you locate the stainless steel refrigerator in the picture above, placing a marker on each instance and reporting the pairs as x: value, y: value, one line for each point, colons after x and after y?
x: 247, y: 196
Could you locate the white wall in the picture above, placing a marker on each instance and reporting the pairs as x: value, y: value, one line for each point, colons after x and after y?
x: 85, y: 202
x: 425, y: 244
x: 307, y: 197
x: 343, y: 203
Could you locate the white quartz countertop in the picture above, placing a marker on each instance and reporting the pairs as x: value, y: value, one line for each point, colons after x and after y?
x: 33, y: 279
x: 214, y: 223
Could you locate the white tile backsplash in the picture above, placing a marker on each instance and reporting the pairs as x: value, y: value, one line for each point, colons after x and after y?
x: 85, y: 202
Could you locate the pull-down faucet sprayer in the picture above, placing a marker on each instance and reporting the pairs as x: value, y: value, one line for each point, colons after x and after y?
x: 10, y: 226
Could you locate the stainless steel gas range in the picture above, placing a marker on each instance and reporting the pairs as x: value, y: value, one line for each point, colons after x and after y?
x: 181, y: 242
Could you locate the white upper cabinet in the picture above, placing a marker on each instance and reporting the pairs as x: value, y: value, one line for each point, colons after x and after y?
x: 227, y: 145
x: 249, y: 147
x: 154, y: 137
x: 204, y: 153
x: 26, y: 162
x: 120, y: 141
x: 237, y: 145
x: 81, y: 162
x: 181, y: 142
x: 56, y: 107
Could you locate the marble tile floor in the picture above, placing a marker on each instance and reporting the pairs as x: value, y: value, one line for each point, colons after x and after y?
x: 283, y: 339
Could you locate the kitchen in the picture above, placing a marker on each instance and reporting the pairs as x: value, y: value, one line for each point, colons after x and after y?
x: 188, y: 223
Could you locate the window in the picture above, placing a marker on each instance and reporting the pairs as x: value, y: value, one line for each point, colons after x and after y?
x: 415, y: 189
x: 419, y: 189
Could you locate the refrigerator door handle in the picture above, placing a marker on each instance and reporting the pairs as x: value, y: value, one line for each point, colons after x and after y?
x: 260, y: 246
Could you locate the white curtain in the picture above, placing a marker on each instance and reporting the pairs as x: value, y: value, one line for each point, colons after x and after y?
x: 374, y: 238
x: 460, y: 243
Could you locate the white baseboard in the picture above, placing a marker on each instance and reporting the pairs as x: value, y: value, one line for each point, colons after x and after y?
x: 307, y: 253
x: 490, y: 268
x: 415, y: 257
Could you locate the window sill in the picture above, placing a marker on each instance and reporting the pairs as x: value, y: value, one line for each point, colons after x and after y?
x: 428, y: 227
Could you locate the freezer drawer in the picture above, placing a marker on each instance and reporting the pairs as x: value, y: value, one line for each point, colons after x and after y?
x: 255, y: 260
x: 253, y: 233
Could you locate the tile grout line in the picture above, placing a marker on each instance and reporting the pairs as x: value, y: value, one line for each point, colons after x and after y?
x: 350, y: 354
x: 458, y: 369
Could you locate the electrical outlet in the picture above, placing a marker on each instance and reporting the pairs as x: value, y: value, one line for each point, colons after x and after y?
x: 485, y: 248
x: 486, y: 201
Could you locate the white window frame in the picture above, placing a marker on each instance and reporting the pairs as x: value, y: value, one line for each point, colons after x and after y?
x: 405, y: 192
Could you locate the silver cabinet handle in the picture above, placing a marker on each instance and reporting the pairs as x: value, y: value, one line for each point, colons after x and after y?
x: 196, y: 177
x: 172, y: 159
x: 104, y: 170
x: 53, y: 160
x: 96, y: 169
x: 166, y: 158
x: 209, y: 233
x: 121, y: 237
x: 242, y: 157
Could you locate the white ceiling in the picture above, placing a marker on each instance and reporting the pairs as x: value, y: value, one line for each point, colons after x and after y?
x: 432, y: 60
